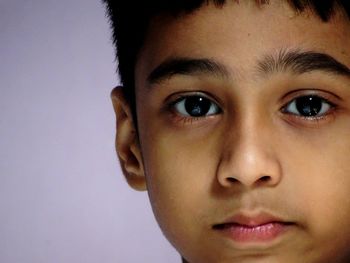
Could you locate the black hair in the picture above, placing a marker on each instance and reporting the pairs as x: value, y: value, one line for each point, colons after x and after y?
x: 130, y: 19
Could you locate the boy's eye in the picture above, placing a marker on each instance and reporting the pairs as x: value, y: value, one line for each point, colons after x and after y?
x: 308, y: 106
x: 196, y: 106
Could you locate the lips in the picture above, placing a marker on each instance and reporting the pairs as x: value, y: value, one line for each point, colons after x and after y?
x: 245, y: 228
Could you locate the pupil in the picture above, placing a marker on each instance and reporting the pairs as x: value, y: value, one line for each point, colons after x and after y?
x: 197, y: 106
x: 309, y: 106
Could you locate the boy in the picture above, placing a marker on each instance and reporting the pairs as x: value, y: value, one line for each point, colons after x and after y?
x: 235, y: 116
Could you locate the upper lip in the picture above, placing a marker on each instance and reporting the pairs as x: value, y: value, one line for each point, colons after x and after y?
x: 253, y: 219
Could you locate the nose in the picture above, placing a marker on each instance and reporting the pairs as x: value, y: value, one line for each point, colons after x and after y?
x: 249, y: 159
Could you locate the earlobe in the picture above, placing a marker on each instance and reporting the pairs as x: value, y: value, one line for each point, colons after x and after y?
x: 127, y: 143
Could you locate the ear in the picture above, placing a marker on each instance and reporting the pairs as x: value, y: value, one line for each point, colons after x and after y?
x: 127, y: 143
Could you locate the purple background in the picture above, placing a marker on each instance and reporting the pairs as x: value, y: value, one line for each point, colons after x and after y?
x: 62, y: 196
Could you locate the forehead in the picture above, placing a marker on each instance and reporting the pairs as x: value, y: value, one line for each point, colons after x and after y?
x: 239, y: 34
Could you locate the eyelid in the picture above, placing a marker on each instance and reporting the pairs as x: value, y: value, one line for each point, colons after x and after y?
x: 327, y: 96
x: 183, y: 98
x: 330, y: 96
x: 176, y: 97
x: 171, y: 100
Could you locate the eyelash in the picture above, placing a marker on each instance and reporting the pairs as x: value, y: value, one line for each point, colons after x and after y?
x: 190, y: 119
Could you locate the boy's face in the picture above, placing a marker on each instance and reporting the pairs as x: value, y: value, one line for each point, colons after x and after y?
x: 245, y: 133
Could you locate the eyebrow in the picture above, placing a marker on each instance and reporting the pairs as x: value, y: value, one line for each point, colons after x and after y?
x: 186, y: 66
x: 296, y: 61
x: 300, y: 62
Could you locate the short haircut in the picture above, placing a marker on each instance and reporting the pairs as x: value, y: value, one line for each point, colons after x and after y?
x: 130, y: 19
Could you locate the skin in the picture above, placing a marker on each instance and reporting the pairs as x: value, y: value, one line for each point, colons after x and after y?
x: 249, y: 156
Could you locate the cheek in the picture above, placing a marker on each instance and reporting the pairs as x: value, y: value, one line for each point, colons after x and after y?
x: 330, y: 214
x: 321, y: 180
x: 179, y: 175
x: 331, y: 186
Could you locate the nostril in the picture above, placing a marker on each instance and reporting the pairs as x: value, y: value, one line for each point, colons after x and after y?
x: 232, y: 180
x: 265, y: 178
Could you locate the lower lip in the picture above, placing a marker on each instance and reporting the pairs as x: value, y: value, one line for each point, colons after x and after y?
x: 260, y: 233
